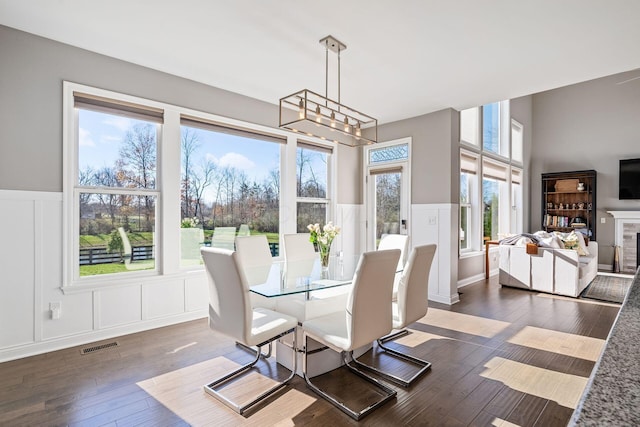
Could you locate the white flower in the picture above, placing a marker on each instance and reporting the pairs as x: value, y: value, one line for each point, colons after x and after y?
x: 323, y: 236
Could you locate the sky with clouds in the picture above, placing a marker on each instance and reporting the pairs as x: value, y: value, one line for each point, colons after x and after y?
x: 101, y: 136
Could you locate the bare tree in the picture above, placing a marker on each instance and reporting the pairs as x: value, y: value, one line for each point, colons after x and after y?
x: 108, y: 177
x: 137, y: 162
x: 189, y: 144
x: 307, y: 180
x: 199, y: 182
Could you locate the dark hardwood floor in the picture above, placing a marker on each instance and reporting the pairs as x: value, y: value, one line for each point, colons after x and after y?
x: 500, y: 357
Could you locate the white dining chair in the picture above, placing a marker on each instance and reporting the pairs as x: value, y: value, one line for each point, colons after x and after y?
x: 366, y: 317
x: 411, y: 306
x: 298, y: 247
x: 299, y: 255
x: 256, y: 261
x: 395, y: 241
x: 231, y: 314
x: 127, y: 254
x: 255, y: 257
x: 223, y: 237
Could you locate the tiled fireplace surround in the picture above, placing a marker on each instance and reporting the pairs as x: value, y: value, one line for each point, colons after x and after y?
x: 627, y: 226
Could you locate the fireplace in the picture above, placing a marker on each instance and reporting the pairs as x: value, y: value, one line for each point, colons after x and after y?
x: 627, y: 237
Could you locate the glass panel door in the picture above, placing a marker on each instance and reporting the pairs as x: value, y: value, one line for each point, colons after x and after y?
x: 387, y: 189
x: 387, y: 197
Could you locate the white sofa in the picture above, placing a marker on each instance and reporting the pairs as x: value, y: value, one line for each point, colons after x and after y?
x: 556, y: 271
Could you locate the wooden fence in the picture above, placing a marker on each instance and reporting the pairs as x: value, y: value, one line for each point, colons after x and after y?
x: 99, y: 255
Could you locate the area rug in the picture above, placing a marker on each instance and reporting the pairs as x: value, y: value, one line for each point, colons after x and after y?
x: 607, y: 288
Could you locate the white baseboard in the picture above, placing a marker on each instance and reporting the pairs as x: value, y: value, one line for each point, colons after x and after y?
x: 605, y: 267
x: 472, y: 279
x: 443, y: 300
x: 33, y: 349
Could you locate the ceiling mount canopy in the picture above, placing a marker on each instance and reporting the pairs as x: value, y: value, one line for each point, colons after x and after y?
x: 312, y: 114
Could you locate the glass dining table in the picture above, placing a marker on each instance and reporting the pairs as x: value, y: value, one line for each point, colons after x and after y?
x: 301, y: 289
x: 283, y: 278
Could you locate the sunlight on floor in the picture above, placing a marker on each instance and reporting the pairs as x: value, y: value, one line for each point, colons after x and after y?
x: 559, y: 342
x: 578, y: 300
x: 416, y: 338
x: 174, y: 351
x: 466, y: 323
x: 499, y: 422
x: 182, y: 392
x: 564, y: 389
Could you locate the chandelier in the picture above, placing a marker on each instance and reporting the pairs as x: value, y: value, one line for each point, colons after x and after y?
x: 312, y: 114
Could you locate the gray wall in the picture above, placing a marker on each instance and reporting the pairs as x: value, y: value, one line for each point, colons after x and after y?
x: 435, y: 154
x: 32, y: 70
x: 590, y: 125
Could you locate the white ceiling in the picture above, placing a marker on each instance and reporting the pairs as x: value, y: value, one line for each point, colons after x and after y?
x: 404, y: 58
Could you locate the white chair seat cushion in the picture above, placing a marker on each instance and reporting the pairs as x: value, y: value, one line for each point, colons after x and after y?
x: 267, y: 323
x: 330, y: 329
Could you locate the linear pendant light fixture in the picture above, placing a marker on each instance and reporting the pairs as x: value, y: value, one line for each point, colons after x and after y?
x: 315, y: 115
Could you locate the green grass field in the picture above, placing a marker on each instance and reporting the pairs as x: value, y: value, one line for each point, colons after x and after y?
x: 137, y: 239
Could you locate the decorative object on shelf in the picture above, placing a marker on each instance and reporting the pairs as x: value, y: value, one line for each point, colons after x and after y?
x: 315, y: 115
x: 322, y: 238
x: 573, y: 197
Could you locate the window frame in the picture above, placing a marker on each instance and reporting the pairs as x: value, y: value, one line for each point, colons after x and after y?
x: 368, y: 189
x: 328, y: 200
x: 472, y: 204
x: 507, y: 193
x: 168, y: 173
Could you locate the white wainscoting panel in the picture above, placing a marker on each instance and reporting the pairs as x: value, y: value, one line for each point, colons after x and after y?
x: 196, y: 293
x: 118, y: 306
x: 163, y: 299
x: 31, y: 277
x: 432, y: 223
x: 17, y: 271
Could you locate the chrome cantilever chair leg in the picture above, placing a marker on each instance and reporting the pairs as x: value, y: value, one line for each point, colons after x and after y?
x: 241, y: 409
x: 254, y: 351
x: 423, y: 364
x: 389, y: 393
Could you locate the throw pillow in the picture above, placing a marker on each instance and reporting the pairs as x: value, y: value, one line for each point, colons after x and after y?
x: 582, y: 245
x: 571, y: 241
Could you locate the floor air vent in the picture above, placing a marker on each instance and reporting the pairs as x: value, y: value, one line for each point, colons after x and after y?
x: 95, y: 348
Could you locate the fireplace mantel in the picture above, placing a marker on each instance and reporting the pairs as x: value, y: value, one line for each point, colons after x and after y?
x: 625, y: 214
x: 627, y: 225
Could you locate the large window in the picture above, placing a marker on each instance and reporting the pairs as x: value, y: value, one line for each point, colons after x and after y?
x: 495, y: 199
x: 147, y: 184
x: 230, y: 185
x: 468, y: 198
x: 490, y: 175
x: 115, y: 185
x: 312, y: 185
x: 495, y: 128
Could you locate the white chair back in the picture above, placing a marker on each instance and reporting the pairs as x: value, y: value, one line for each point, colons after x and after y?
x: 244, y: 230
x: 368, y: 312
x: 298, y: 247
x: 255, y: 257
x: 190, y: 241
x: 413, y: 289
x: 223, y: 237
x: 396, y: 241
x: 230, y: 309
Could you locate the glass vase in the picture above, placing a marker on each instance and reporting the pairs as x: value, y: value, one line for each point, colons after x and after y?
x: 325, y: 251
